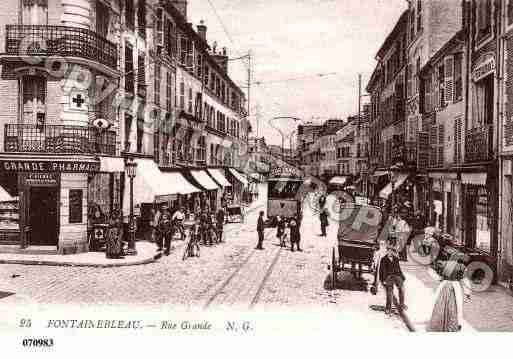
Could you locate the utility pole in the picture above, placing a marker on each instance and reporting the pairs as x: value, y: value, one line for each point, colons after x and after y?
x: 249, y: 86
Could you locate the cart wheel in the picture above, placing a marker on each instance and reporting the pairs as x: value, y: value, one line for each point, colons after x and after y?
x: 333, y: 270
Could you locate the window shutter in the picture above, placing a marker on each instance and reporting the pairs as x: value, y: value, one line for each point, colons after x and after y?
x: 432, y: 145
x: 449, y: 80
x: 457, y: 140
x: 441, y: 136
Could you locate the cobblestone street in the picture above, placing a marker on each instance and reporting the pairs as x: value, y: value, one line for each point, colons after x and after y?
x: 228, y: 276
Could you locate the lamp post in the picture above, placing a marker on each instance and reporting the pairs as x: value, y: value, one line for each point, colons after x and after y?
x: 130, y: 169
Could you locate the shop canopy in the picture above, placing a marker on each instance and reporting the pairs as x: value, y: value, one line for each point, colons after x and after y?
x: 219, y: 177
x: 385, y: 192
x: 204, y: 180
x: 5, y: 196
x: 238, y: 176
x: 340, y: 180
x: 150, y: 184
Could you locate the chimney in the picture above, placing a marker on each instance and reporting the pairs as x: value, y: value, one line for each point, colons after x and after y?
x: 202, y: 30
x: 181, y: 6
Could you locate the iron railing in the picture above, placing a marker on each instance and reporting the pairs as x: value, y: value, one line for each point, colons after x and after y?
x: 46, y: 40
x: 479, y: 144
x: 58, y: 139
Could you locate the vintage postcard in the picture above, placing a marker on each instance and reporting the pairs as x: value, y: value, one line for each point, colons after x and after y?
x: 236, y: 167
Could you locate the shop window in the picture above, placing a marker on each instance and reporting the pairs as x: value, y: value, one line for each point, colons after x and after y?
x: 35, y: 12
x: 34, y: 99
x: 482, y: 234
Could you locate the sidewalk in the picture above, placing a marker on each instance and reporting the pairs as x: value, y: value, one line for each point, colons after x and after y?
x: 491, y: 310
x: 145, y: 254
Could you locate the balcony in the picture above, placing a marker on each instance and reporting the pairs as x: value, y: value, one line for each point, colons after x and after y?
x: 479, y: 144
x: 46, y: 40
x: 58, y: 139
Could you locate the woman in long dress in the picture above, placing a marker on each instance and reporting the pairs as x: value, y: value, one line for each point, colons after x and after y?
x: 447, y: 313
x: 114, y: 244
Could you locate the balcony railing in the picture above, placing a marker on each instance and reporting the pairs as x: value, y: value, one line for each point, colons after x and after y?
x: 479, y: 144
x: 46, y: 40
x: 58, y: 139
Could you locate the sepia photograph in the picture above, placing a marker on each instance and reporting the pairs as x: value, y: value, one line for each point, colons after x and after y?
x: 222, y: 167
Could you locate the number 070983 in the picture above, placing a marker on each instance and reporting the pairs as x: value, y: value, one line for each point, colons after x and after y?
x: 37, y: 342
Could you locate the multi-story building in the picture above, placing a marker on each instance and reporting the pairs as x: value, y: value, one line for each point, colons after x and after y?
x: 387, y: 88
x: 88, y: 84
x: 59, y: 141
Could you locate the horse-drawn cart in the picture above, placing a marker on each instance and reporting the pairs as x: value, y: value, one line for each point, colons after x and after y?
x: 357, y: 242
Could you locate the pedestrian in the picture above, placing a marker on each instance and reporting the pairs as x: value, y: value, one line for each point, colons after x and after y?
x: 260, y: 230
x: 295, y: 235
x: 447, y: 315
x: 402, y: 230
x: 391, y: 275
x: 177, y: 220
x: 154, y: 224
x: 280, y: 230
x: 165, y: 228
x: 114, y: 243
x: 195, y: 234
x: 203, y: 227
x: 324, y: 221
x: 220, y: 224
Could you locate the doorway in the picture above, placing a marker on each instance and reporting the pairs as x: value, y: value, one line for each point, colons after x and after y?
x: 43, y: 216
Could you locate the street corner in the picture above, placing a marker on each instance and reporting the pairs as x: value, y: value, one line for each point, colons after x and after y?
x: 146, y: 253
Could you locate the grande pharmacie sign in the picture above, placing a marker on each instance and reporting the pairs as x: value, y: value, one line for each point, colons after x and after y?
x: 284, y: 172
x: 48, y: 166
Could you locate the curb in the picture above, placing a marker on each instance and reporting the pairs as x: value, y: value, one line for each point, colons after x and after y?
x: 72, y: 264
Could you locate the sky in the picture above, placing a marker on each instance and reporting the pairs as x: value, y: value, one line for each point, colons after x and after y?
x: 321, y: 44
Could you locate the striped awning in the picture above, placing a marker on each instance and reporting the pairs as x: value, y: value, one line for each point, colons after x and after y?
x: 385, y: 192
x: 219, y: 177
x: 204, y: 180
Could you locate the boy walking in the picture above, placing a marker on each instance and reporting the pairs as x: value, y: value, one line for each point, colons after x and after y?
x: 391, y: 275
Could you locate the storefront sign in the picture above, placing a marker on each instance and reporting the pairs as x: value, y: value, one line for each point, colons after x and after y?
x: 41, y: 179
x: 49, y: 166
x: 484, y: 69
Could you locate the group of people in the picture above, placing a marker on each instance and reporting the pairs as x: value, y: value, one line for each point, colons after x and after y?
x: 447, y: 313
x: 286, y: 229
x: 114, y: 243
x: 207, y: 227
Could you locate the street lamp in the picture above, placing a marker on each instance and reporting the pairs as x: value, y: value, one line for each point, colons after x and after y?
x: 281, y: 133
x: 130, y: 169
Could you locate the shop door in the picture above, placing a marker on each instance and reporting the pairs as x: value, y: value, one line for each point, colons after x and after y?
x: 43, y: 216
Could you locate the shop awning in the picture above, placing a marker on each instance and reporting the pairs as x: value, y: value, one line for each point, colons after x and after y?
x: 5, y: 196
x: 112, y: 164
x: 385, y: 192
x: 150, y: 184
x: 238, y: 176
x: 340, y: 180
x: 204, y: 180
x: 219, y: 177
x: 474, y: 178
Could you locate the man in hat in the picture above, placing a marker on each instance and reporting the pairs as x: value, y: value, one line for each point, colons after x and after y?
x: 165, y: 228
x: 390, y: 274
x: 260, y: 230
x: 177, y: 219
